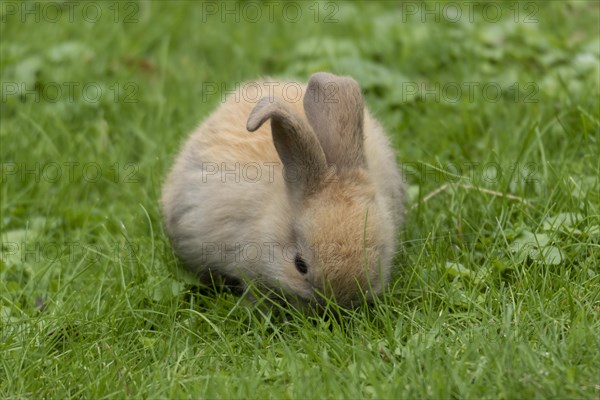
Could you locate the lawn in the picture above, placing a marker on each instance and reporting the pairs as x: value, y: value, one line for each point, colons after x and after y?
x: 493, y: 109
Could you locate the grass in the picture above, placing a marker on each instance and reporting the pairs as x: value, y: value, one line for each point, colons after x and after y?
x: 494, y: 297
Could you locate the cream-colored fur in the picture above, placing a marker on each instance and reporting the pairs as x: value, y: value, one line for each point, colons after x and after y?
x: 225, y: 220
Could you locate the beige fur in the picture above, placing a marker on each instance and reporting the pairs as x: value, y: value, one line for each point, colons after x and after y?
x: 340, y: 209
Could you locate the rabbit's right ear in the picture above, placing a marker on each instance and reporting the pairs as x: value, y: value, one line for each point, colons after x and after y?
x: 295, y: 142
x: 334, y: 108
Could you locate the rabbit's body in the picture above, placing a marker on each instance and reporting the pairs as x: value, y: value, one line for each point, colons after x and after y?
x: 231, y: 210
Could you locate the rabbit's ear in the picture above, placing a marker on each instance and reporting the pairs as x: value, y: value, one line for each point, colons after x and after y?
x: 294, y: 140
x: 335, y: 109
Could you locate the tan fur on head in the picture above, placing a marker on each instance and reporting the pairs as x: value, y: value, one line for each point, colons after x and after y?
x: 354, y: 253
x: 339, y: 211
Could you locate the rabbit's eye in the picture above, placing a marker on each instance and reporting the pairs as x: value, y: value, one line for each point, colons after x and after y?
x: 300, y: 264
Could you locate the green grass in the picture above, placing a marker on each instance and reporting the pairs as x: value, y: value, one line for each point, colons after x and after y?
x: 494, y: 296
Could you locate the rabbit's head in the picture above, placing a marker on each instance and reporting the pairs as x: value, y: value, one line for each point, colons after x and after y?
x: 342, y: 235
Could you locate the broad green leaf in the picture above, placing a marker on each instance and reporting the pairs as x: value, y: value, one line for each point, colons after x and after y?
x: 551, y: 255
x: 562, y: 220
x: 458, y: 270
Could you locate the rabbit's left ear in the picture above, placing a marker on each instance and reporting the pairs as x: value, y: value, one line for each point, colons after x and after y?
x: 334, y: 108
x: 295, y: 142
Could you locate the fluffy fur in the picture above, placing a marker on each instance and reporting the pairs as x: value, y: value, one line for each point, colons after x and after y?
x: 329, y: 191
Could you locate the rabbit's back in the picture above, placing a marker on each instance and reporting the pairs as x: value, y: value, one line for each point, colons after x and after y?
x: 225, y: 194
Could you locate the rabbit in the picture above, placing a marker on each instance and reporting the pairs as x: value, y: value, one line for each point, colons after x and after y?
x: 291, y: 187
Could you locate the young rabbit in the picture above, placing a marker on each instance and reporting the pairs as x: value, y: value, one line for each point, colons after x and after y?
x: 297, y: 191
